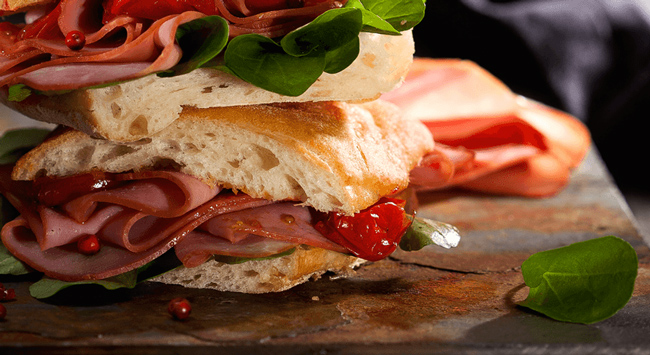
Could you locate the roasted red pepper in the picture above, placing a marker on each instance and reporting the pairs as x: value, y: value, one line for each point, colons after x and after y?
x: 54, y: 192
x: 46, y: 27
x: 371, y: 234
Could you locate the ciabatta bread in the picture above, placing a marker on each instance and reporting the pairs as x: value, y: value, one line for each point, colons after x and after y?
x: 138, y: 109
x: 332, y: 156
x: 262, y: 276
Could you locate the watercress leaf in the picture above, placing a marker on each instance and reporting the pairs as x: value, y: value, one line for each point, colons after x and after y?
x: 16, y: 142
x: 402, y: 15
x: 47, y: 287
x: 201, y: 40
x: 329, y: 31
x: 342, y: 57
x: 262, y: 62
x: 18, y: 92
x: 585, y: 282
x: 10, y: 265
x: 423, y: 232
x: 372, y: 22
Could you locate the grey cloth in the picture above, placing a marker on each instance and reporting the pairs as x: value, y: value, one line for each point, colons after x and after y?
x: 590, y: 58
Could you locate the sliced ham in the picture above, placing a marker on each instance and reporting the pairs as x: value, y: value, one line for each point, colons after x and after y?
x: 144, y: 216
x: 198, y: 247
x: 140, y: 46
x: 153, y: 51
x: 283, y: 221
x: 163, y: 194
x: 488, y: 139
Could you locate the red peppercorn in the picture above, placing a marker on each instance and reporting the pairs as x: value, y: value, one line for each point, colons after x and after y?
x: 75, y: 40
x: 88, y: 245
x: 9, y: 294
x: 3, y: 312
x: 179, y: 308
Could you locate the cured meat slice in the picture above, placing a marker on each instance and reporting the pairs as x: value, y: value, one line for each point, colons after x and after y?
x: 487, y: 138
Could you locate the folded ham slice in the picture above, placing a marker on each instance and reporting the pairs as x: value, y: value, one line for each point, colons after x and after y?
x: 137, y: 222
x: 488, y: 138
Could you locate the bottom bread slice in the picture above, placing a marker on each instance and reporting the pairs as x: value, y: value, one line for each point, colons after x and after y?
x: 262, y: 276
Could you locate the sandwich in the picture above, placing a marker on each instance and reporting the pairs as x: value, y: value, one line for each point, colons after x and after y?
x: 300, y: 188
x: 247, y: 180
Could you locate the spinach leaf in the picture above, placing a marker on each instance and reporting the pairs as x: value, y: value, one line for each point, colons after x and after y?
x: 329, y: 31
x: 423, y: 232
x: 585, y: 282
x: 372, y: 22
x: 263, y: 63
x: 16, y: 142
x: 201, y: 40
x: 341, y: 58
x: 402, y: 15
x: 47, y: 287
x: 19, y: 92
x: 9, y: 265
x: 329, y: 43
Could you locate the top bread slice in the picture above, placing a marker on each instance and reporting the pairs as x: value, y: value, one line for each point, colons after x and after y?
x: 333, y: 156
x: 138, y: 109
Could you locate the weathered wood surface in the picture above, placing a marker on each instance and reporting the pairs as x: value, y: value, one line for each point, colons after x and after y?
x: 435, y: 301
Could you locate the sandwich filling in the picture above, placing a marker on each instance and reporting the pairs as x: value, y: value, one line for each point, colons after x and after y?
x: 137, y: 217
x: 74, y: 44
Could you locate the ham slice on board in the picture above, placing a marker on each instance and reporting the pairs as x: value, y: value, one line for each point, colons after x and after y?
x: 487, y: 138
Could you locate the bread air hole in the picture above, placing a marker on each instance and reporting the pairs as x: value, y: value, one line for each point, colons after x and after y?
x: 116, y: 110
x: 116, y: 152
x: 251, y: 273
x: 234, y: 163
x: 139, y: 126
x: 269, y: 160
x: 85, y: 155
x: 295, y: 186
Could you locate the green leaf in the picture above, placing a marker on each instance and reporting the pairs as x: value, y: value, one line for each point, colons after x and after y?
x: 238, y: 260
x: 585, y: 282
x: 201, y: 40
x: 16, y: 142
x: 262, y: 62
x: 372, y: 22
x: 47, y: 287
x: 423, y: 232
x: 329, y: 43
x: 329, y: 31
x: 18, y: 92
x: 342, y: 57
x: 402, y: 15
x: 9, y: 265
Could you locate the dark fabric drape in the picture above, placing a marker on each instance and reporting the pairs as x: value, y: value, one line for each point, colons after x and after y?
x: 590, y: 58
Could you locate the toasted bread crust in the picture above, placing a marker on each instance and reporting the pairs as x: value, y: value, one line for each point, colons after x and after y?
x: 330, y: 155
x: 14, y: 6
x: 138, y: 109
x: 263, y: 276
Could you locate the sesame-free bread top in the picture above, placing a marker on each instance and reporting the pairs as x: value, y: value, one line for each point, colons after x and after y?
x: 138, y: 109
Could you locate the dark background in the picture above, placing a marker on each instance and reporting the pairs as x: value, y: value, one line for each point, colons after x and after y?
x: 590, y: 58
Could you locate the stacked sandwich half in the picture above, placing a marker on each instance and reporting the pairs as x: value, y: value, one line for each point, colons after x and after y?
x: 219, y: 134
